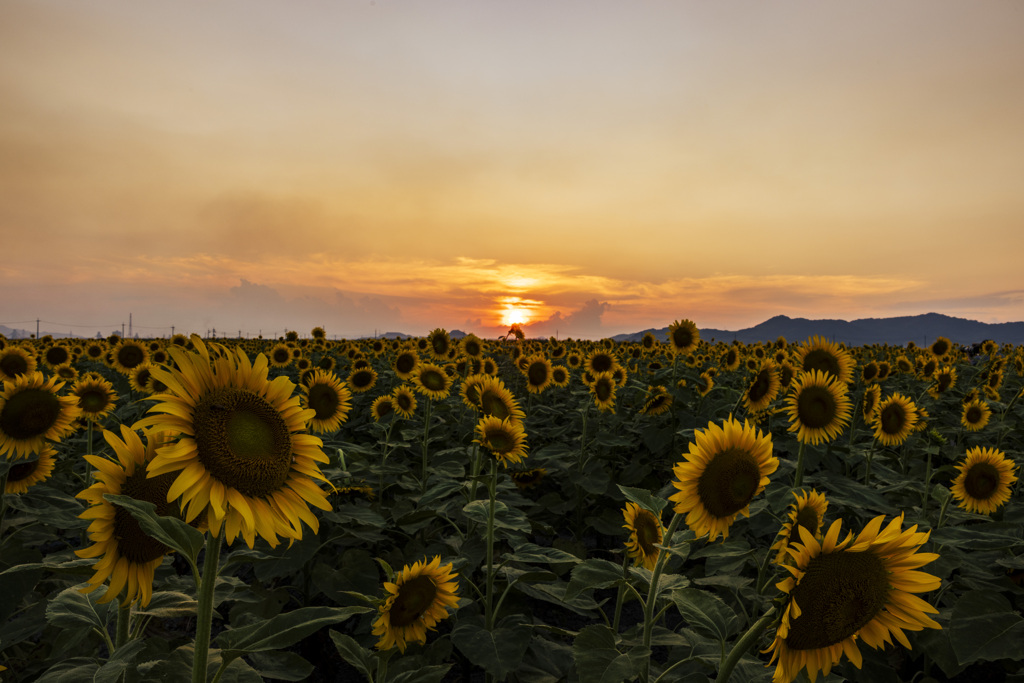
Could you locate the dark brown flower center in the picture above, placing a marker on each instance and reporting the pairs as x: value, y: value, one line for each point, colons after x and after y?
x: 816, y: 407
x: 982, y: 480
x: 13, y: 364
x: 130, y: 355
x: 537, y: 374
x: 324, y: 400
x: 29, y: 413
x: 414, y: 598
x: 893, y: 418
x: 729, y: 482
x: 132, y: 542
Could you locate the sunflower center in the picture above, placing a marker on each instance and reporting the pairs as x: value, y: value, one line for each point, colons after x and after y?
x: 403, y: 401
x: 130, y: 356
x: 981, y: 481
x: 493, y: 404
x: 647, y: 533
x: 760, y: 387
x: 29, y: 413
x: 602, y: 362
x: 405, y: 363
x: 870, y: 372
x: 434, y: 381
x: 57, y: 355
x: 973, y: 415
x: 93, y: 400
x: 808, y: 519
x: 603, y: 390
x: 682, y: 338
x: 729, y: 482
x: 21, y: 470
x: 816, y: 407
x: 362, y: 378
x: 820, y: 359
x: 537, y: 374
x: 324, y: 400
x: 944, y: 382
x: 13, y: 364
x: 133, y: 543
x: 892, y: 418
x: 838, y: 594
x: 500, y: 441
x: 282, y: 355
x: 243, y: 441
x: 414, y: 597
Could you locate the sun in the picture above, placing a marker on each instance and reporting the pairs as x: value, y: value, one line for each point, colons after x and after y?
x: 516, y: 310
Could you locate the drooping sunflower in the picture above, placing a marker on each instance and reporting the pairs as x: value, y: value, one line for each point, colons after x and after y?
x: 524, y: 479
x: 821, y: 354
x: 850, y: 591
x: 658, y: 401
x: 726, y: 467
x: 895, y: 420
x: 24, y: 474
x: 705, y: 383
x: 129, y: 556
x: 498, y: 401
x: 869, y: 406
x: 325, y: 393
x: 763, y: 388
x: 976, y: 415
x: 404, y: 401
x: 808, y: 512
x: 818, y: 407
x: 15, y: 361
x: 95, y: 397
x: 417, y: 600
x: 381, y: 407
x: 645, y: 533
x: 127, y: 354
x: 683, y: 336
x: 505, y: 439
x: 538, y: 374
x: 243, y: 455
x: 985, y: 481
x: 603, y: 390
x: 32, y: 413
x: 432, y: 381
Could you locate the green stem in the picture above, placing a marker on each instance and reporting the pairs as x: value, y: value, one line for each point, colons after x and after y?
x: 942, y: 511
x: 124, y: 619
x: 621, y: 597
x: 426, y: 433
x: 867, y: 464
x: 927, y: 483
x: 799, y: 475
x: 3, y: 497
x: 652, y: 594
x: 204, y: 611
x: 489, y: 592
x: 743, y: 644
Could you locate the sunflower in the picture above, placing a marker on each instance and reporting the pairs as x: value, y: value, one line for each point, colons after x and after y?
x: 818, y: 407
x: 31, y: 413
x: 362, y: 380
x: 473, y: 346
x: 496, y: 400
x: 808, y: 512
x: 439, y: 344
x: 139, y: 378
x: 24, y: 474
x: 895, y: 420
x: 600, y: 361
x: 505, y: 439
x: 432, y: 381
x: 57, y: 354
x: 820, y: 354
x: 730, y: 359
x: 763, y: 388
x: 489, y: 367
x: 404, y: 401
x: 940, y: 347
x: 869, y: 406
x: 944, y: 380
x: 95, y: 397
x: 538, y: 374
x: 869, y: 372
x: 684, y: 336
x: 15, y: 361
x: 560, y: 376
x: 127, y: 354
x: 381, y: 407
x: 354, y: 492
x: 726, y: 467
x: 66, y: 372
x: 405, y: 363
x: 417, y: 600
x: 280, y: 355
x: 976, y: 415
x: 985, y: 480
x: 658, y: 401
x: 859, y: 589
x: 884, y: 369
x: 243, y: 455
x: 129, y: 556
x: 524, y: 479
x: 603, y: 390
x: 325, y: 393
x: 645, y: 533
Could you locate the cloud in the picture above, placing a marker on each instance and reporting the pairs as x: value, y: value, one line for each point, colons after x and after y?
x: 582, y: 323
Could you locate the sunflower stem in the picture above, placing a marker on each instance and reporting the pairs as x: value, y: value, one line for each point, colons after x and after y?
x: 652, y: 594
x: 426, y: 434
x: 867, y: 463
x: 124, y: 620
x: 204, y: 610
x: 621, y: 597
x: 492, y: 486
x: 927, y: 483
x: 743, y: 644
x: 3, y: 497
x: 798, y: 476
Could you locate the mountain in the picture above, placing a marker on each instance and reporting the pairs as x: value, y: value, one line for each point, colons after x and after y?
x: 920, y: 329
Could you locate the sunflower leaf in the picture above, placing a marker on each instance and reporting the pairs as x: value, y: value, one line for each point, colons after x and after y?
x: 283, y: 630
x: 593, y: 573
x: 985, y: 627
x: 644, y: 499
x: 499, y: 651
x: 706, y: 612
x: 169, y: 605
x: 120, y: 662
x: 171, y: 531
x: 531, y: 552
x: 598, y: 659
x: 355, y: 654
x: 72, y: 609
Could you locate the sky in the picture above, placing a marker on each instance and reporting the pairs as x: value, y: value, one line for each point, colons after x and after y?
x: 585, y: 168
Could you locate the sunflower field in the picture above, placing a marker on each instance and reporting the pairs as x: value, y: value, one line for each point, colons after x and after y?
x: 436, y: 509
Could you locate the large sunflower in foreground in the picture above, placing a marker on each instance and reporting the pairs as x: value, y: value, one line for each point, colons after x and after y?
x: 807, y: 511
x: 818, y: 407
x: 645, y: 533
x: 24, y: 474
x: 31, y: 413
x: 821, y: 354
x: 857, y: 589
x: 325, y: 393
x: 128, y: 555
x: 243, y: 454
x: 985, y: 481
x: 726, y: 467
x: 417, y: 600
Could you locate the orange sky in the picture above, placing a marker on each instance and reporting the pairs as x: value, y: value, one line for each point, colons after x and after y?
x: 589, y: 167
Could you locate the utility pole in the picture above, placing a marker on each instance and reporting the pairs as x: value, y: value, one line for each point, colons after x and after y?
x: 172, y: 330
x: 37, y: 328
x: 129, y: 325
x: 122, y: 330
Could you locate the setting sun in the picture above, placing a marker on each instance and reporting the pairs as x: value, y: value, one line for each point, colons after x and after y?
x: 517, y: 311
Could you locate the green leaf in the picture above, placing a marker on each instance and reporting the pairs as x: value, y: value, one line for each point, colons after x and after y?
x: 593, y: 573
x: 984, y: 627
x: 644, y: 499
x: 75, y: 669
x: 73, y: 609
x: 284, y: 629
x: 530, y: 552
x: 169, y: 605
x: 504, y: 516
x: 598, y: 660
x: 171, y: 531
x: 423, y: 674
x: 499, y: 651
x: 285, y: 666
x: 119, y: 662
x: 355, y: 654
x: 706, y: 612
